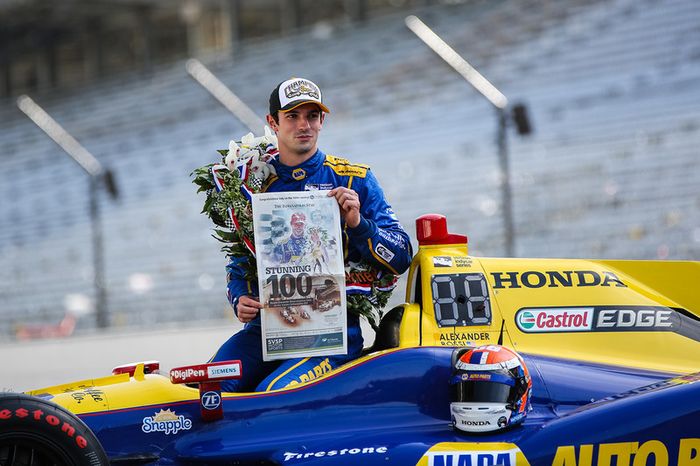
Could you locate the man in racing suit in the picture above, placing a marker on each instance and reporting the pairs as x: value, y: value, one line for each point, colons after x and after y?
x: 292, y: 249
x: 370, y: 232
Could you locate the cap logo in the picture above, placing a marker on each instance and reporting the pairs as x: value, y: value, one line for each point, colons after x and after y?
x: 301, y: 87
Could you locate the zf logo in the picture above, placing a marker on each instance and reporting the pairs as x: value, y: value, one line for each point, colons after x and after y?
x: 211, y: 400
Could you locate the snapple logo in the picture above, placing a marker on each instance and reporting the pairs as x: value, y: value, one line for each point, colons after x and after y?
x: 165, y: 421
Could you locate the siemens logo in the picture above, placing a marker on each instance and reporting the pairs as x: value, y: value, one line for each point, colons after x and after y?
x: 215, y: 372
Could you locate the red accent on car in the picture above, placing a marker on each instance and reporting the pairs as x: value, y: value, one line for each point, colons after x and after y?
x: 211, y: 405
x: 431, y: 229
x: 222, y: 370
x: 209, y: 377
x: 149, y: 367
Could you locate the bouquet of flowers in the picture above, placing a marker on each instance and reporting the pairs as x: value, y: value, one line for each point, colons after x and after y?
x: 244, y: 170
x: 229, y: 186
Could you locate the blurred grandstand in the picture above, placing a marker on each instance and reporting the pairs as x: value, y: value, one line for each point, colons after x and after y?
x: 611, y: 170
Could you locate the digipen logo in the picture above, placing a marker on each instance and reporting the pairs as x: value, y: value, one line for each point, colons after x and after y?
x: 211, y: 400
x: 189, y: 372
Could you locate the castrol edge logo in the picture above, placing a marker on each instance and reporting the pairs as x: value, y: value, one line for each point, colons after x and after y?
x: 534, y: 320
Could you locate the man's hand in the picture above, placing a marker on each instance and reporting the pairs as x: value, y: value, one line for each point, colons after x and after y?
x: 349, y: 203
x: 247, y: 308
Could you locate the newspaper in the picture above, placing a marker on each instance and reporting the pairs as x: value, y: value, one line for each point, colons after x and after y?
x: 301, y: 274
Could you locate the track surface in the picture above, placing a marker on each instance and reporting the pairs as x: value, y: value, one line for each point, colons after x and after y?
x: 35, y: 364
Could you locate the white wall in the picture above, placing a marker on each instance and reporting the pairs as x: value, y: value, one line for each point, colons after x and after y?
x: 36, y: 364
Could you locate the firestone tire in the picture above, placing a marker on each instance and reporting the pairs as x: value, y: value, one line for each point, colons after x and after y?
x: 36, y: 432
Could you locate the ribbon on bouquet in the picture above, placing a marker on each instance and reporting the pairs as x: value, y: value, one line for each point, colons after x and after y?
x: 219, y: 183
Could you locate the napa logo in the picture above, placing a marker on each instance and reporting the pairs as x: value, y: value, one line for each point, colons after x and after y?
x: 472, y: 458
x: 473, y: 454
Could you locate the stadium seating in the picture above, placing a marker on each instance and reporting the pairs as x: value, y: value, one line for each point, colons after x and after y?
x: 610, y: 172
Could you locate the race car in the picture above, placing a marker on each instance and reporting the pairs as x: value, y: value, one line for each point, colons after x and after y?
x: 609, y: 352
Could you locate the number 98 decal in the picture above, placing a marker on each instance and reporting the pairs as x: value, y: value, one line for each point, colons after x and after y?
x: 461, y: 299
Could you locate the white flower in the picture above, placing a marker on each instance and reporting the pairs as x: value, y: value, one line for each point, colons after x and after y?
x: 248, y: 141
x: 254, y: 152
x: 270, y: 136
x: 260, y: 169
x: 232, y: 156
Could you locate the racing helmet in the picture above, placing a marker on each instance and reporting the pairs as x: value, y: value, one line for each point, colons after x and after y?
x: 489, y: 389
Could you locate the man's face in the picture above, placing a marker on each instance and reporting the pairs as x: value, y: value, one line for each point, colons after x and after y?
x: 297, y: 131
x: 298, y: 228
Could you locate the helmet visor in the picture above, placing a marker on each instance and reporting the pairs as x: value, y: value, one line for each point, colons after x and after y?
x: 481, y: 392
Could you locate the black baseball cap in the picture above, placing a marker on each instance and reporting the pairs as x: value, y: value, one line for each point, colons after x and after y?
x: 294, y: 92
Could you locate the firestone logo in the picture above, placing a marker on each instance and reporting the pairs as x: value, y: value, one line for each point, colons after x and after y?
x: 554, y: 320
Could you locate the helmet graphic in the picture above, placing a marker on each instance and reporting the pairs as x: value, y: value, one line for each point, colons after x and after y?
x: 489, y: 388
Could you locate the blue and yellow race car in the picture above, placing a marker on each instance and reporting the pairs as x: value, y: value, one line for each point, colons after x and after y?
x: 611, y: 351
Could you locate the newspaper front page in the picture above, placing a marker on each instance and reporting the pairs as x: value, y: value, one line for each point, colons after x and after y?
x: 301, y: 274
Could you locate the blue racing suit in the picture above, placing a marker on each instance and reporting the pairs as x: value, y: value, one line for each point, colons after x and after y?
x: 379, y: 239
x: 291, y: 250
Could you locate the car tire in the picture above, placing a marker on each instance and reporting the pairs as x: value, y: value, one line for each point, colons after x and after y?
x: 37, y: 432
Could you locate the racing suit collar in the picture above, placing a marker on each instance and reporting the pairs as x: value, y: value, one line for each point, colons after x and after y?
x: 302, y: 171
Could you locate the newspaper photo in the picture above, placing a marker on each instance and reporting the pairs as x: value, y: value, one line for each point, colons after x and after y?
x: 301, y: 274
